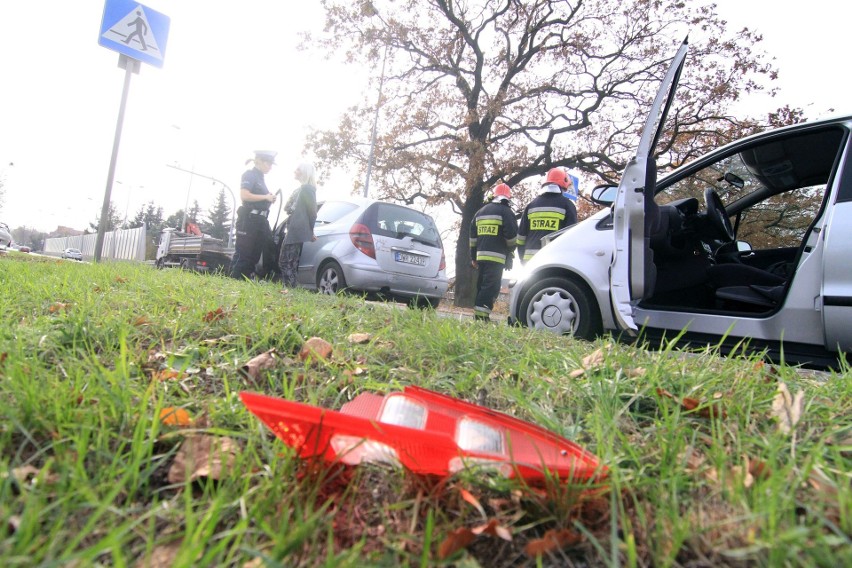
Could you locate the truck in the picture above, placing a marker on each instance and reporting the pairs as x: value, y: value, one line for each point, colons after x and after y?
x: 201, y: 253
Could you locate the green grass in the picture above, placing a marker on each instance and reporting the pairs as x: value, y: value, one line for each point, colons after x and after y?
x: 84, y: 456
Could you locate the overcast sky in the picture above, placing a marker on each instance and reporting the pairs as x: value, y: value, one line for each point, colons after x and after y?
x: 233, y: 82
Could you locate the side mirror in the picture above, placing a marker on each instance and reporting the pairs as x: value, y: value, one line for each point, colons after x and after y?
x: 743, y: 246
x: 604, y: 194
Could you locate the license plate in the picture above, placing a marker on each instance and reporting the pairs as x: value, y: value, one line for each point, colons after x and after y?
x: 410, y: 258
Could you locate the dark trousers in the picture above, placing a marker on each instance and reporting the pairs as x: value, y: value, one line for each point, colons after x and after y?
x: 253, y: 238
x: 288, y: 263
x: 487, y: 287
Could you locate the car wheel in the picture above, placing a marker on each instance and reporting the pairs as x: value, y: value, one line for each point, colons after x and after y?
x: 561, y: 306
x: 330, y: 279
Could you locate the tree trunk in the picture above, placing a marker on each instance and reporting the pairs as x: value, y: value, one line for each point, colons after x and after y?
x: 465, y: 288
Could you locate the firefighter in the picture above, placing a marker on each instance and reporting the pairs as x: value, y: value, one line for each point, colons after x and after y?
x: 550, y: 211
x: 253, y: 233
x: 492, y: 246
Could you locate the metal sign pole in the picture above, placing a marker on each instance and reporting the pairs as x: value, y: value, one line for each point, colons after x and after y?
x: 131, y: 66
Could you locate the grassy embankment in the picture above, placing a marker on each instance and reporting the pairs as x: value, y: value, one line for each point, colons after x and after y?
x: 110, y: 374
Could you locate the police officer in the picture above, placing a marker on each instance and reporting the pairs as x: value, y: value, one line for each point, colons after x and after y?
x: 550, y: 211
x: 492, y: 246
x: 253, y: 233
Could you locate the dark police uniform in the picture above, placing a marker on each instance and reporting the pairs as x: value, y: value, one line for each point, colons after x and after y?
x: 253, y: 233
x: 545, y: 214
x: 492, y: 244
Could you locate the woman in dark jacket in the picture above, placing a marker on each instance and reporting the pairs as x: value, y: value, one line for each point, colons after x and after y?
x: 302, y: 208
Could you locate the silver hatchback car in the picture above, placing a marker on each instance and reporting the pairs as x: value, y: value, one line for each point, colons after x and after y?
x: 375, y: 247
x: 746, y: 247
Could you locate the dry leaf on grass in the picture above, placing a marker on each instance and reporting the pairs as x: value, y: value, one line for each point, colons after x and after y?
x: 551, y: 541
x: 171, y: 416
x: 141, y: 321
x: 360, y: 338
x: 590, y: 363
x: 167, y: 375
x: 163, y: 556
x: 315, y: 349
x: 470, y: 498
x: 216, y: 315
x: 264, y: 361
x: 787, y: 408
x: 203, y: 456
x: 708, y: 410
x: 493, y: 528
x: 30, y: 474
x: 58, y: 307
x: 455, y: 541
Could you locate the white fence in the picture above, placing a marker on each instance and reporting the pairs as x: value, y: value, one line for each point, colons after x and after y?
x: 126, y: 244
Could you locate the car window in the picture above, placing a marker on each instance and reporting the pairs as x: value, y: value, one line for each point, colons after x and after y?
x: 331, y: 211
x: 777, y: 187
x: 399, y: 222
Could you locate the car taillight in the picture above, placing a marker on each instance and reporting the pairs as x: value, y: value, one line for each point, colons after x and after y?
x: 443, y: 260
x: 362, y: 238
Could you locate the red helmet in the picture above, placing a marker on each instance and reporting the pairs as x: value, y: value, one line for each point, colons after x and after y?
x: 503, y: 190
x: 559, y: 177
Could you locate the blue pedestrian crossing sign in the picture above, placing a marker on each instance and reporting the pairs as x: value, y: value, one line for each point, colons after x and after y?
x: 135, y: 31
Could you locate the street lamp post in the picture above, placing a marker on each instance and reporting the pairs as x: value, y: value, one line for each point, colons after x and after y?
x: 375, y: 125
x: 223, y: 184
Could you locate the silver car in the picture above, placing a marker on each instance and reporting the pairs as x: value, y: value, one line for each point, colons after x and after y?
x: 375, y: 247
x: 5, y: 236
x: 72, y: 253
x: 747, y: 246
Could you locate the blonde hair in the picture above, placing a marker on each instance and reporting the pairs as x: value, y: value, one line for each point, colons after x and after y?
x: 306, y: 174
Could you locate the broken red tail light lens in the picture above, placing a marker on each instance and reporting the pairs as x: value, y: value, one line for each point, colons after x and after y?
x: 362, y: 238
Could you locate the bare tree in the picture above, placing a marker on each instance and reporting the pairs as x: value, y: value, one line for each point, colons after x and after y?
x: 481, y: 92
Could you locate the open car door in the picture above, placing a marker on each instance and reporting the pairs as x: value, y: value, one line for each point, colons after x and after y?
x: 632, y: 273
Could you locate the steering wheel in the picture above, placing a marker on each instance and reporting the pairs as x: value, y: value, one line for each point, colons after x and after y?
x: 717, y: 215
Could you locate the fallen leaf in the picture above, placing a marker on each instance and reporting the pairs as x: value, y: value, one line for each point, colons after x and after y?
x: 709, y: 410
x: 596, y: 359
x: 166, y: 375
x: 787, y: 408
x: 315, y: 348
x: 552, y: 540
x: 120, y: 280
x: 493, y: 528
x: 215, y: 315
x: 203, y: 456
x: 171, y: 416
x: 360, y: 338
x: 163, y: 556
x: 759, y: 469
x: 455, y: 541
x: 470, y: 498
x: 58, y: 306
x: 141, y: 321
x: 821, y: 482
x: 264, y: 361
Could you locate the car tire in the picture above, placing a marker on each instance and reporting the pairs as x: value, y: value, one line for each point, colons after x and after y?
x: 330, y: 279
x: 562, y: 306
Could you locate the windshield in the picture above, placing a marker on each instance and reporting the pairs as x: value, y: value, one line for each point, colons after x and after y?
x: 331, y: 211
x: 400, y: 222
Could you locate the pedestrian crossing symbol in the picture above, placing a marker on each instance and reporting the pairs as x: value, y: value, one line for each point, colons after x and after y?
x: 135, y: 30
